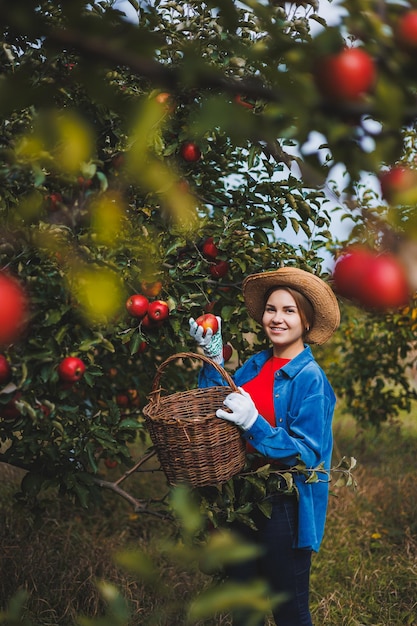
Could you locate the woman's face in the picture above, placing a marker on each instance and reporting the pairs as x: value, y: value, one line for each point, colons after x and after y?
x: 282, y: 324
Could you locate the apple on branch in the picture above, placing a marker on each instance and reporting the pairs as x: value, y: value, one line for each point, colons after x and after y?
x: 71, y: 369
x: 110, y: 463
x: 137, y: 305
x: 219, y: 269
x: 399, y: 185
x: 158, y: 311
x: 374, y: 281
x: 13, y: 309
x: 53, y: 201
x: 227, y: 352
x: 165, y: 99
x: 209, y: 249
x: 149, y: 324
x: 190, y: 152
x: 5, y: 370
x: 406, y: 30
x: 9, y: 411
x: 151, y: 289
x: 346, y: 76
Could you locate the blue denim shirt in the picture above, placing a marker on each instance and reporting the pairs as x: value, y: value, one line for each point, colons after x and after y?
x: 304, y: 403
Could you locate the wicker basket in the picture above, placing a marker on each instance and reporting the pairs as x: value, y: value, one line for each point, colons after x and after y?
x: 193, y: 445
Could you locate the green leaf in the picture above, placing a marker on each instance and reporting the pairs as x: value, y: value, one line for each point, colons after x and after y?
x: 265, y: 506
x: 139, y: 563
x: 295, y: 224
x: 227, y: 312
x: 229, y: 596
x: 130, y: 423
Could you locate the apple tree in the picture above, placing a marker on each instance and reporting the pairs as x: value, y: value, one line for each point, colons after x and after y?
x: 168, y: 159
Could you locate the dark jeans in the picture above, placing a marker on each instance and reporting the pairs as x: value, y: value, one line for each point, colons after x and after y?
x: 286, y: 569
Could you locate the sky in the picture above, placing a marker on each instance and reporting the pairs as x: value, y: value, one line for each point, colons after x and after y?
x: 329, y: 10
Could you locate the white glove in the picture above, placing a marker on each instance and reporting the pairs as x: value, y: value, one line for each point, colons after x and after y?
x: 212, y: 344
x: 243, y: 410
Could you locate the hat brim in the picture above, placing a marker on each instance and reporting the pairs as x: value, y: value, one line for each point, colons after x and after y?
x: 319, y: 293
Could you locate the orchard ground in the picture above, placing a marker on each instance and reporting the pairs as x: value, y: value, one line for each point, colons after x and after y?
x: 365, y: 573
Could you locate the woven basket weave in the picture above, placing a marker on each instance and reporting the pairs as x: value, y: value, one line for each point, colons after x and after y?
x: 193, y: 445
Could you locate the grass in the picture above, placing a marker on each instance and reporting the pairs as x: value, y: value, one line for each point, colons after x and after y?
x: 364, y: 575
x: 366, y: 571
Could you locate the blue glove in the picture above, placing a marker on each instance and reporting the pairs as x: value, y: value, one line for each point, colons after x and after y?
x: 243, y: 411
x: 212, y: 344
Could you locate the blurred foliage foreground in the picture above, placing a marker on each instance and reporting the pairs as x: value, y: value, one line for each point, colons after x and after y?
x: 150, y: 572
x: 125, y: 147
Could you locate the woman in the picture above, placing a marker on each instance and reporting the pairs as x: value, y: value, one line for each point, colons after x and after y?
x: 285, y: 408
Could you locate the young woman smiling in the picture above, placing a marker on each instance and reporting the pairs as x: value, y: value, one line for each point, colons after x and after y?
x: 284, y: 408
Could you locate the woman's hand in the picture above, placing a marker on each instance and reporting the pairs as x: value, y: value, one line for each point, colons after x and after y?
x: 212, y: 344
x: 243, y: 411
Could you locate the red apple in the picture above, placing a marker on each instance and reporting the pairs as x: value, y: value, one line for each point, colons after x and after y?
x: 142, y: 347
x: 190, y: 152
x: 239, y: 99
x: 152, y: 290
x: 399, y: 185
x: 208, y: 321
x: 149, y: 324
x: 45, y: 410
x: 227, y: 352
x: 384, y: 284
x: 374, y: 281
x: 345, y: 76
x: 5, y: 370
x: 84, y: 183
x: 53, y: 201
x: 118, y: 160
x: 9, y: 412
x: 13, y: 309
x: 164, y: 98
x: 349, y: 270
x: 137, y: 305
x: 71, y: 369
x: 110, y: 463
x: 183, y: 186
x: 134, y: 398
x: 122, y: 400
x: 220, y: 269
x: 210, y: 306
x: 209, y: 249
x: 406, y: 30
x: 158, y: 311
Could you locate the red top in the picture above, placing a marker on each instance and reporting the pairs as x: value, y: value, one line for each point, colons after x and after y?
x: 261, y: 387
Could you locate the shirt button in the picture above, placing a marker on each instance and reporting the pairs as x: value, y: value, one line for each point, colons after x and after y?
x: 277, y: 395
x: 280, y: 419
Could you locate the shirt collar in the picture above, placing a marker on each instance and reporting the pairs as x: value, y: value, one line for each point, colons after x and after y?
x: 298, y: 362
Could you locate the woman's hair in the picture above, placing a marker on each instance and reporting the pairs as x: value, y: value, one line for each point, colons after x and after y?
x: 304, y: 306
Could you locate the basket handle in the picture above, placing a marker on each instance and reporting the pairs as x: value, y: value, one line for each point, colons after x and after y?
x: 156, y: 390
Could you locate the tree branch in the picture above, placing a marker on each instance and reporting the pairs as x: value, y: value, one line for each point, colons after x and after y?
x: 133, y: 469
x: 205, y: 78
x: 167, y: 76
x: 139, y: 506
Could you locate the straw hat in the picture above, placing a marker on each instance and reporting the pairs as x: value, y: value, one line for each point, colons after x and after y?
x: 322, y: 298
